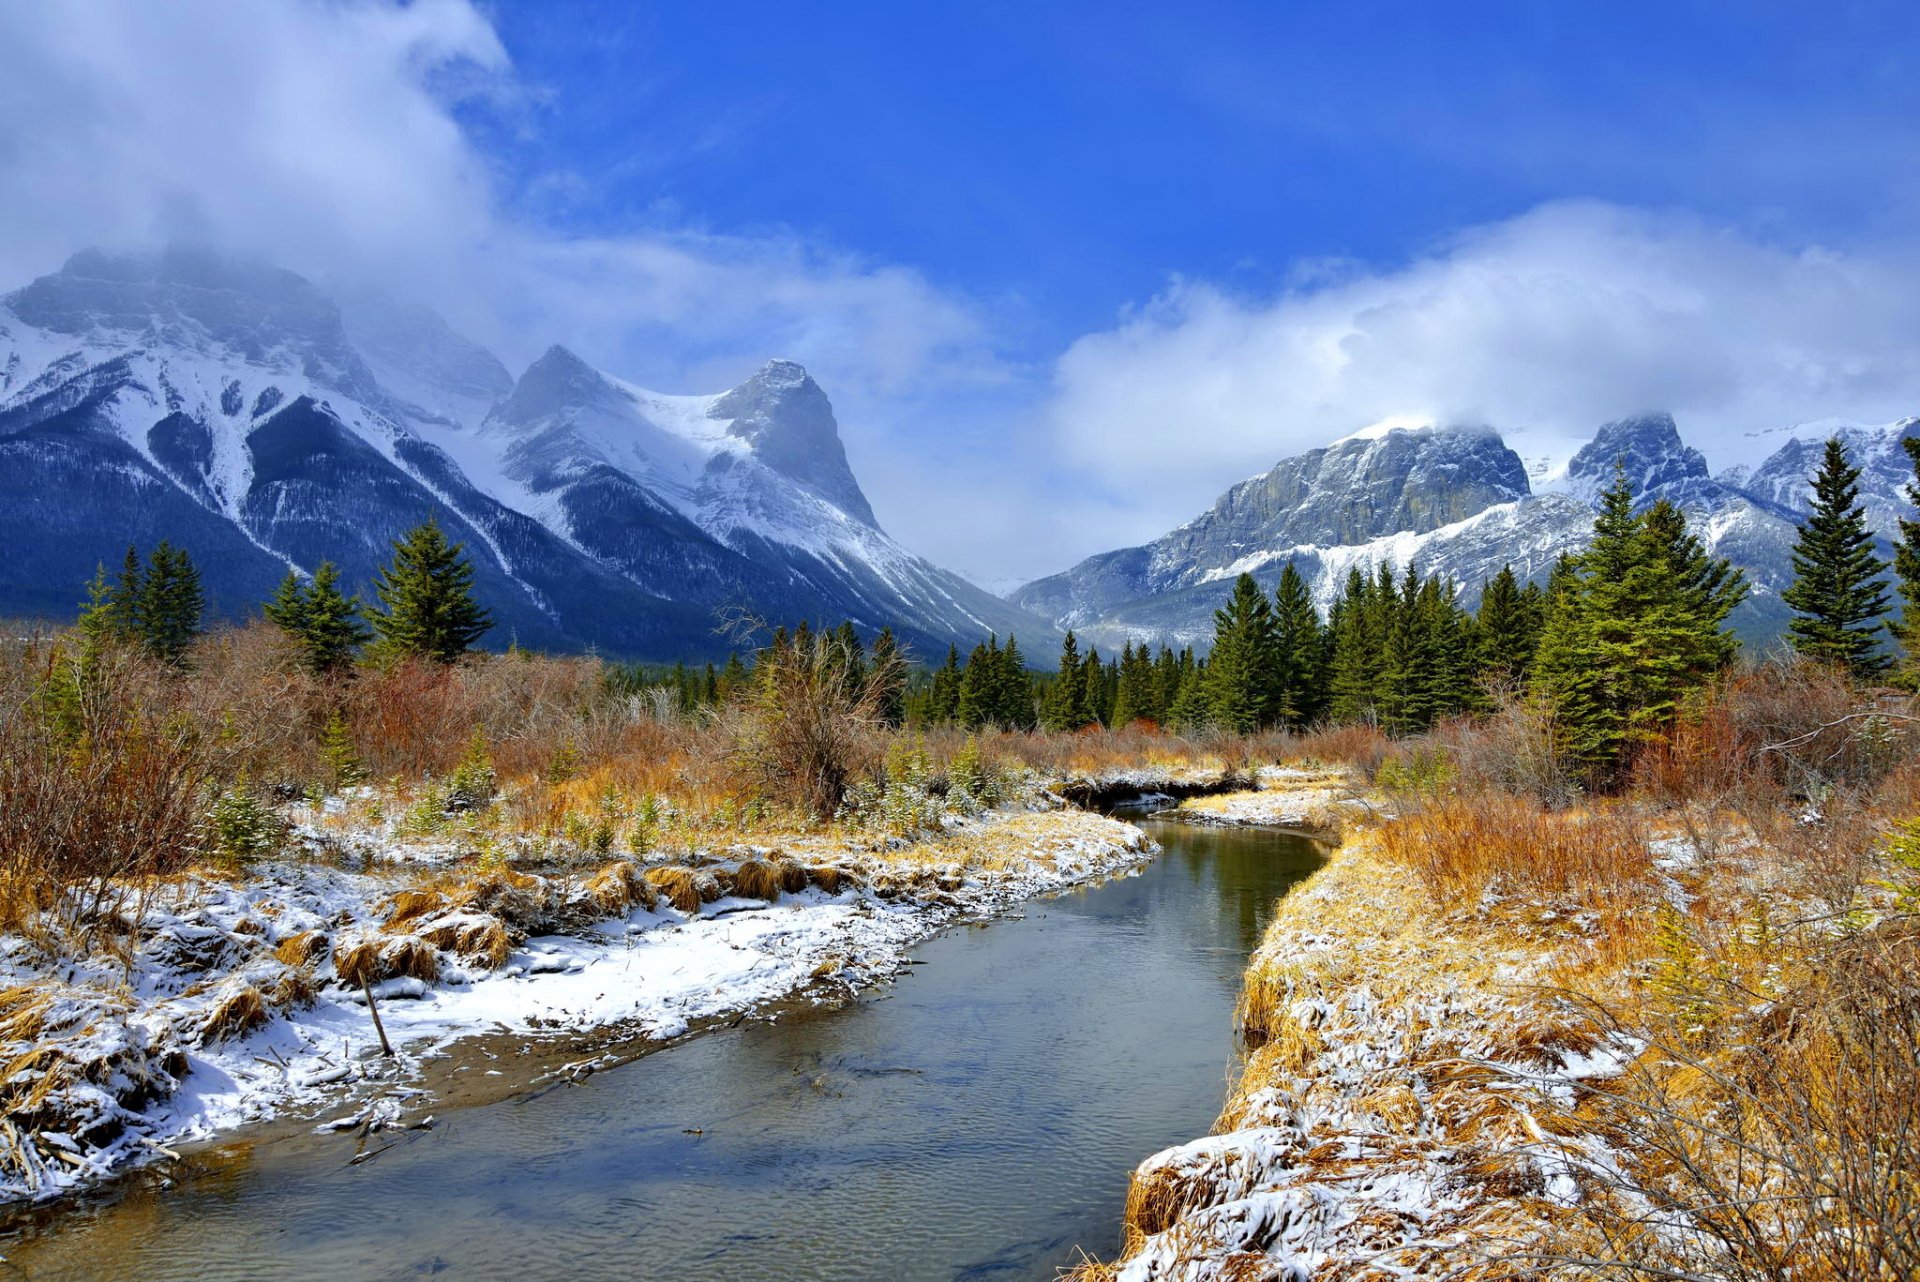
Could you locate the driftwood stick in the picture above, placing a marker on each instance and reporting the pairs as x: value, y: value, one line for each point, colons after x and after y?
x: 386, y: 1047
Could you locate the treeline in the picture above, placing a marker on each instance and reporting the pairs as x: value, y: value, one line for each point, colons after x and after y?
x: 1607, y: 651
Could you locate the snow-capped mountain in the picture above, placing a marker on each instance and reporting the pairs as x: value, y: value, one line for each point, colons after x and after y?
x: 1458, y: 502
x: 237, y: 410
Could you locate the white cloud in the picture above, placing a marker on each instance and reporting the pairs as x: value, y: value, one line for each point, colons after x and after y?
x: 1544, y: 326
x: 326, y: 136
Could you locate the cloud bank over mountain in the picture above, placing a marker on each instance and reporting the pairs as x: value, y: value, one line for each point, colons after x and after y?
x: 365, y: 143
x: 1544, y: 325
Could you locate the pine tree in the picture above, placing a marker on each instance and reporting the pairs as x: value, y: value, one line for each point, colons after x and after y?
x: 1013, y: 700
x: 327, y: 624
x: 1358, y: 651
x: 1633, y: 629
x: 1166, y: 685
x: 1066, y: 707
x: 1300, y: 652
x: 943, y: 699
x: 1133, y: 698
x: 169, y: 605
x: 1509, y: 629
x: 1244, y: 668
x: 1191, y: 709
x: 1906, y: 568
x: 979, y: 686
x: 733, y: 677
x: 427, y: 593
x: 889, y: 665
x: 1838, y: 595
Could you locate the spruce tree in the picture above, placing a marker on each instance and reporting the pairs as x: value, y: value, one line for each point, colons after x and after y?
x: 427, y: 592
x: 1906, y: 569
x: 943, y: 697
x: 977, y: 701
x: 328, y: 624
x: 1066, y: 701
x: 170, y: 604
x: 1838, y: 595
x: 1634, y: 628
x: 1133, y: 697
x: 1300, y: 652
x: 1243, y: 669
x: 1509, y: 629
x: 1014, y: 698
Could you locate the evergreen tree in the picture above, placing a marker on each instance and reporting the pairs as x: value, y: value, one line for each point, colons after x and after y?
x: 733, y: 677
x: 1838, y: 595
x: 943, y: 698
x: 1191, y: 708
x: 1509, y: 629
x: 1133, y: 698
x: 327, y: 624
x: 888, y: 663
x: 1358, y: 651
x: 1066, y: 706
x: 1013, y: 702
x: 170, y: 604
x: 108, y: 612
x: 427, y: 593
x: 978, y: 686
x: 1166, y: 685
x: 1634, y: 628
x: 1300, y: 652
x: 1906, y: 568
x: 1243, y: 669
x: 849, y: 653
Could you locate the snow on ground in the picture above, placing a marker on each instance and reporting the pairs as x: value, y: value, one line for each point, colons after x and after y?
x: 231, y: 1008
x: 1403, y: 1113
x: 1286, y: 798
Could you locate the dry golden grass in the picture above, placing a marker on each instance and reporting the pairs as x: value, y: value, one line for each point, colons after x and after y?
x: 685, y: 888
x: 368, y: 959
x: 476, y: 938
x: 752, y: 879
x: 301, y: 949
x: 619, y: 888
x: 235, y: 1015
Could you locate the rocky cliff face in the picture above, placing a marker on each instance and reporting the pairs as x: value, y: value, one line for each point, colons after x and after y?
x: 235, y: 409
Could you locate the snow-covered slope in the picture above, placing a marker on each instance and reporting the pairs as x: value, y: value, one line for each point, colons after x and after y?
x: 1457, y: 502
x: 235, y: 409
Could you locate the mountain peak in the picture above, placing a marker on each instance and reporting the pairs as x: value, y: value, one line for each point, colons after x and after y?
x: 558, y: 380
x: 788, y: 421
x: 1648, y: 446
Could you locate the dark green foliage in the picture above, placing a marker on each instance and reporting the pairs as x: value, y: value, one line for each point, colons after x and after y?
x: 158, y: 606
x: 1634, y: 629
x: 1510, y: 619
x: 943, y: 700
x: 1066, y: 707
x: 328, y: 625
x: 427, y: 593
x: 1243, y: 671
x: 1906, y: 568
x: 1300, y: 653
x: 1838, y: 595
x: 1135, y: 695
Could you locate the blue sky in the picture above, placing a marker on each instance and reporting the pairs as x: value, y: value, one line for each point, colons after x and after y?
x: 1066, y: 270
x: 1069, y: 158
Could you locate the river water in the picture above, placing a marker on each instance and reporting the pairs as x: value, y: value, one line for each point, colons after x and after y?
x: 975, y: 1119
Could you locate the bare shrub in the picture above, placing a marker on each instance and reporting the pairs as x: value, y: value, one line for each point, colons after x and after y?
x: 1782, y: 1144
x: 1462, y: 848
x: 808, y: 724
x: 101, y: 780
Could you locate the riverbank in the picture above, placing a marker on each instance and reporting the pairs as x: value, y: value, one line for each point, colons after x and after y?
x: 212, y: 1000
x: 1579, y: 1057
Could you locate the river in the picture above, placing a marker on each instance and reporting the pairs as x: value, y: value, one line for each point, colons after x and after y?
x: 976, y: 1119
